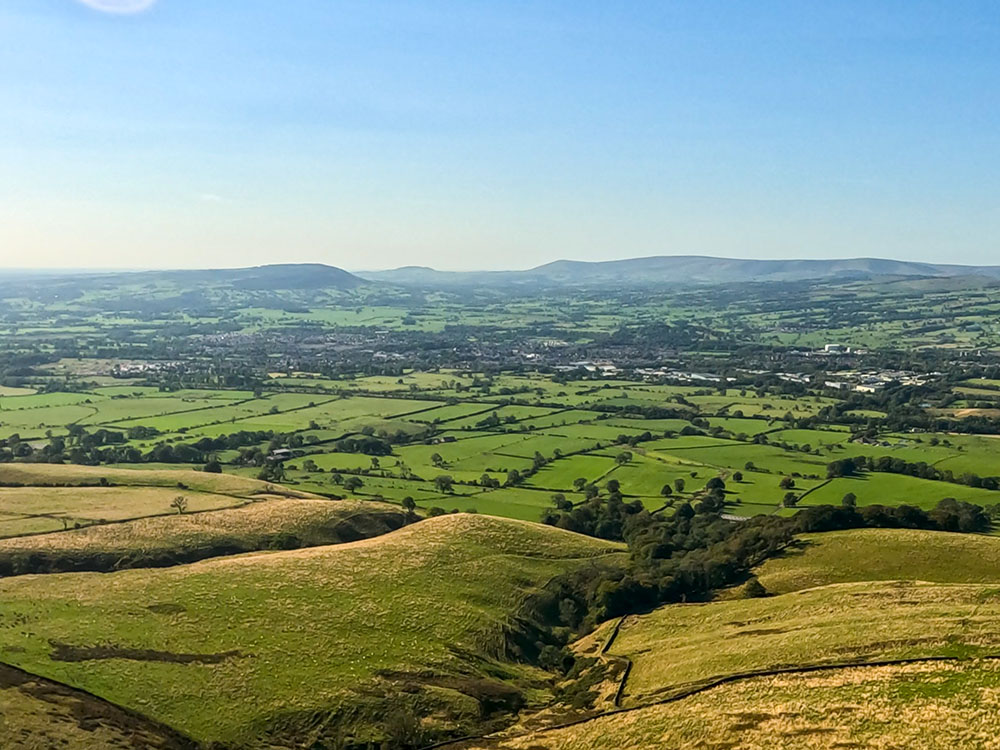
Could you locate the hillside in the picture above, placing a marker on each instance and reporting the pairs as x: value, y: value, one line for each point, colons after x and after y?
x: 349, y: 640
x: 173, y: 539
x: 838, y: 661
x: 882, y: 555
x: 921, y: 706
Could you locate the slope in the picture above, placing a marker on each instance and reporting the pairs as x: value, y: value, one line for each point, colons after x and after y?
x: 288, y: 647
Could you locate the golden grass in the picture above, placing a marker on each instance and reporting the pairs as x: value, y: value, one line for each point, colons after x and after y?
x: 86, y: 505
x: 913, y: 707
x: 683, y: 644
x: 269, y: 516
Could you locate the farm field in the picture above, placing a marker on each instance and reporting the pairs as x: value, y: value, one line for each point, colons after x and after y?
x: 435, y: 422
x: 202, y: 631
x: 39, y: 498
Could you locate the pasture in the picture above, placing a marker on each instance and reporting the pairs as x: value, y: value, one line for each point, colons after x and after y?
x: 296, y: 633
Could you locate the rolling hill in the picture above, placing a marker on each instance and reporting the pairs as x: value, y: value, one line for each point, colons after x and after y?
x: 683, y: 269
x: 311, y: 647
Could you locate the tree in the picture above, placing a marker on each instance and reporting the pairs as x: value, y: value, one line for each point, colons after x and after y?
x: 715, y: 483
x: 444, y: 483
x: 436, y: 459
x: 666, y: 490
x: 213, y: 466
x: 679, y: 485
x: 613, y: 485
x: 375, y: 463
x: 850, y: 500
x: 737, y: 476
x: 179, y: 503
x: 579, y: 483
x: 623, y: 458
x: 352, y: 484
x: 561, y: 503
x: 749, y: 466
x: 790, y: 500
x: 787, y: 483
x: 409, y: 504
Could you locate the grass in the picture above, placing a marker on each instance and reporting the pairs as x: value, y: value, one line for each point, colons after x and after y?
x: 46, y: 475
x: 293, y: 635
x: 67, y: 507
x: 40, y: 498
x: 897, y: 489
x: 194, y: 536
x: 918, y: 706
x: 678, y: 645
x: 883, y: 555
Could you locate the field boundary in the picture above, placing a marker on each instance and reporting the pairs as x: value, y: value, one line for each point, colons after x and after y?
x: 714, y: 682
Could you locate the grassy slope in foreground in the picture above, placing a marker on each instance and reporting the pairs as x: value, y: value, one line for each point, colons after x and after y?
x: 923, y: 706
x: 168, y: 540
x: 292, y: 634
x: 686, y: 644
x: 883, y: 555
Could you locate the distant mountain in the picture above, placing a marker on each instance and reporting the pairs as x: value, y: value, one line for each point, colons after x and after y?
x: 271, y: 277
x: 684, y: 269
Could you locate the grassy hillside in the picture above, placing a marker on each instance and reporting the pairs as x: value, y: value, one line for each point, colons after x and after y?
x: 169, y: 540
x: 883, y: 555
x: 677, y: 646
x: 306, y: 643
x: 923, y: 706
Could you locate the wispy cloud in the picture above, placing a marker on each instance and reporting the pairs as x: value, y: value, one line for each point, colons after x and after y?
x: 119, y: 6
x: 211, y: 198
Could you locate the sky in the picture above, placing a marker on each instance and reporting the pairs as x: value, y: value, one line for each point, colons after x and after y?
x: 465, y: 135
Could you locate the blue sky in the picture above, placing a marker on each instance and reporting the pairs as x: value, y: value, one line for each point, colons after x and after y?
x: 498, y: 134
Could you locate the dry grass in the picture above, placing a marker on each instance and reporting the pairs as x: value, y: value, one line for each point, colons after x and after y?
x: 684, y: 644
x: 300, y: 518
x: 913, y: 707
x: 39, y: 498
x: 65, y: 507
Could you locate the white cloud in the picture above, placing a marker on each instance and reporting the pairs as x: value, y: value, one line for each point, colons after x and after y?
x: 119, y: 6
x: 210, y: 198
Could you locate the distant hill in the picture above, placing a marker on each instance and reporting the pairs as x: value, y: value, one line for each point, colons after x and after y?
x: 157, y: 291
x: 685, y: 269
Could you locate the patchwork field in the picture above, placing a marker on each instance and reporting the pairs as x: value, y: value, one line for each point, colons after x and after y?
x: 449, y: 423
